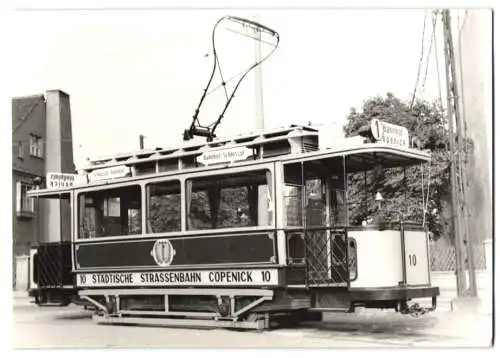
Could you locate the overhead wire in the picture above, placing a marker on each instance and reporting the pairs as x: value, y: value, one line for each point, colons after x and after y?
x: 437, y: 69
x: 433, y: 36
x: 431, y: 46
x: 425, y: 196
x: 419, y: 61
x: 223, y: 84
x: 434, y: 20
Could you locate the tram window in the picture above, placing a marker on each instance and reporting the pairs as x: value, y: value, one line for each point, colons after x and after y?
x: 308, y: 199
x: 292, y: 194
x: 293, y: 204
x: 395, y: 184
x: 228, y: 201
x: 337, y: 208
x: 362, y: 188
x: 163, y: 207
x: 112, y: 212
x: 315, y: 202
x: 167, y: 165
x: 145, y: 168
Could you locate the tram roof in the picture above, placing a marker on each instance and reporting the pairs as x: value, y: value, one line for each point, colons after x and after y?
x: 194, y: 147
x: 305, y: 142
x: 49, y: 193
x: 360, y: 156
x: 367, y: 155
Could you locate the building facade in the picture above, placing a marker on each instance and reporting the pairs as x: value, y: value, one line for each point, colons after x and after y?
x: 41, y: 143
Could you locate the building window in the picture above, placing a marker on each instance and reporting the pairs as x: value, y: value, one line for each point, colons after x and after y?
x: 36, y: 146
x: 20, y: 150
x: 24, y: 205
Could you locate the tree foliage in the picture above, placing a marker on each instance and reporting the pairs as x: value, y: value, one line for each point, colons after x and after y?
x: 402, y: 192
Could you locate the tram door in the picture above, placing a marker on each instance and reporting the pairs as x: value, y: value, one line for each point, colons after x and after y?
x: 314, y: 200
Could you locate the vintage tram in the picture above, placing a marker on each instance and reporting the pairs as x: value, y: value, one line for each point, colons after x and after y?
x: 237, y: 232
x: 240, y: 232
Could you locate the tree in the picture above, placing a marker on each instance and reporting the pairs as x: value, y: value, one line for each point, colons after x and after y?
x: 427, y: 126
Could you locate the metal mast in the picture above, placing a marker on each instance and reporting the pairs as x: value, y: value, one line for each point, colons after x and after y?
x: 259, y: 98
x: 464, y: 255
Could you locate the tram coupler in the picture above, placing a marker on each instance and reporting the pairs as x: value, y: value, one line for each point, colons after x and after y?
x: 415, y: 310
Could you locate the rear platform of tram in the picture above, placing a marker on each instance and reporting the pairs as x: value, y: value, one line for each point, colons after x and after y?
x: 52, y: 281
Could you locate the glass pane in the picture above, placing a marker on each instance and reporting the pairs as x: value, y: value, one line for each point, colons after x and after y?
x: 112, y: 212
x: 292, y: 194
x: 293, y: 205
x: 164, y: 207
x: 384, y: 195
x: 238, y: 200
x: 337, y: 208
x: 315, y: 203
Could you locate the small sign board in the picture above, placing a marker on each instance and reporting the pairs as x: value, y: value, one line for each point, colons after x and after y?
x: 256, y: 277
x: 60, y: 180
x: 225, y: 155
x: 109, y: 173
x: 390, y: 134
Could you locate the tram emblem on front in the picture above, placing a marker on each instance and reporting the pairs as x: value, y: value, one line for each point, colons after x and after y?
x: 163, y: 252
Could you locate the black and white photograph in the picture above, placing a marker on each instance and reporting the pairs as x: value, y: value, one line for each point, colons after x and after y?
x: 261, y: 176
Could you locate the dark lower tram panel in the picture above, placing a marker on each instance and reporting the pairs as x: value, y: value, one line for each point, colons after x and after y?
x: 237, y: 306
x: 209, y: 250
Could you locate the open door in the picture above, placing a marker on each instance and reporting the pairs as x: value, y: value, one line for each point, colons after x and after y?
x: 314, y: 207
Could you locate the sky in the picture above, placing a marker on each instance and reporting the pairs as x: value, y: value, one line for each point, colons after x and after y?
x: 143, y: 72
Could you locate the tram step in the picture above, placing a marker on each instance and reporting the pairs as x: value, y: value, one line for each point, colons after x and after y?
x: 173, y: 322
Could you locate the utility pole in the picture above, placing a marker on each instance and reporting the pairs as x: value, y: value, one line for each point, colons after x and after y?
x: 259, y: 98
x: 464, y: 255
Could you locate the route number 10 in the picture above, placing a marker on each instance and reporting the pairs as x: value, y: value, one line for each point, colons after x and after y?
x: 266, y: 276
x: 412, y: 259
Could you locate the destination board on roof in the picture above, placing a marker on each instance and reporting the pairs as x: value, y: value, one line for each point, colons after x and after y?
x: 60, y: 180
x: 261, y: 277
x: 390, y: 134
x: 109, y: 173
x: 225, y: 155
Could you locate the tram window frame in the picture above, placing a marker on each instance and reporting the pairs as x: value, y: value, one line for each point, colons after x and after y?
x: 246, y: 216
x: 372, y: 174
x: 100, y: 201
x: 174, y: 196
x: 293, y: 197
x: 310, y: 198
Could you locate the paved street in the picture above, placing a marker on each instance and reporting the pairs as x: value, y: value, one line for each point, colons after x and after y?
x: 72, y: 327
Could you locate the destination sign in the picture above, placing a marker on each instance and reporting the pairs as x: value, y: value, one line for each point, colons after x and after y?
x: 180, y: 278
x: 224, y: 156
x: 390, y: 134
x: 60, y: 180
x: 109, y: 173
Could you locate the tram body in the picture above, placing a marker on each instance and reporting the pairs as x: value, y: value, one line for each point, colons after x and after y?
x: 239, y: 232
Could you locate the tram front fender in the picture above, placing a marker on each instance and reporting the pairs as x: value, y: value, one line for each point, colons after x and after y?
x: 391, y: 293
